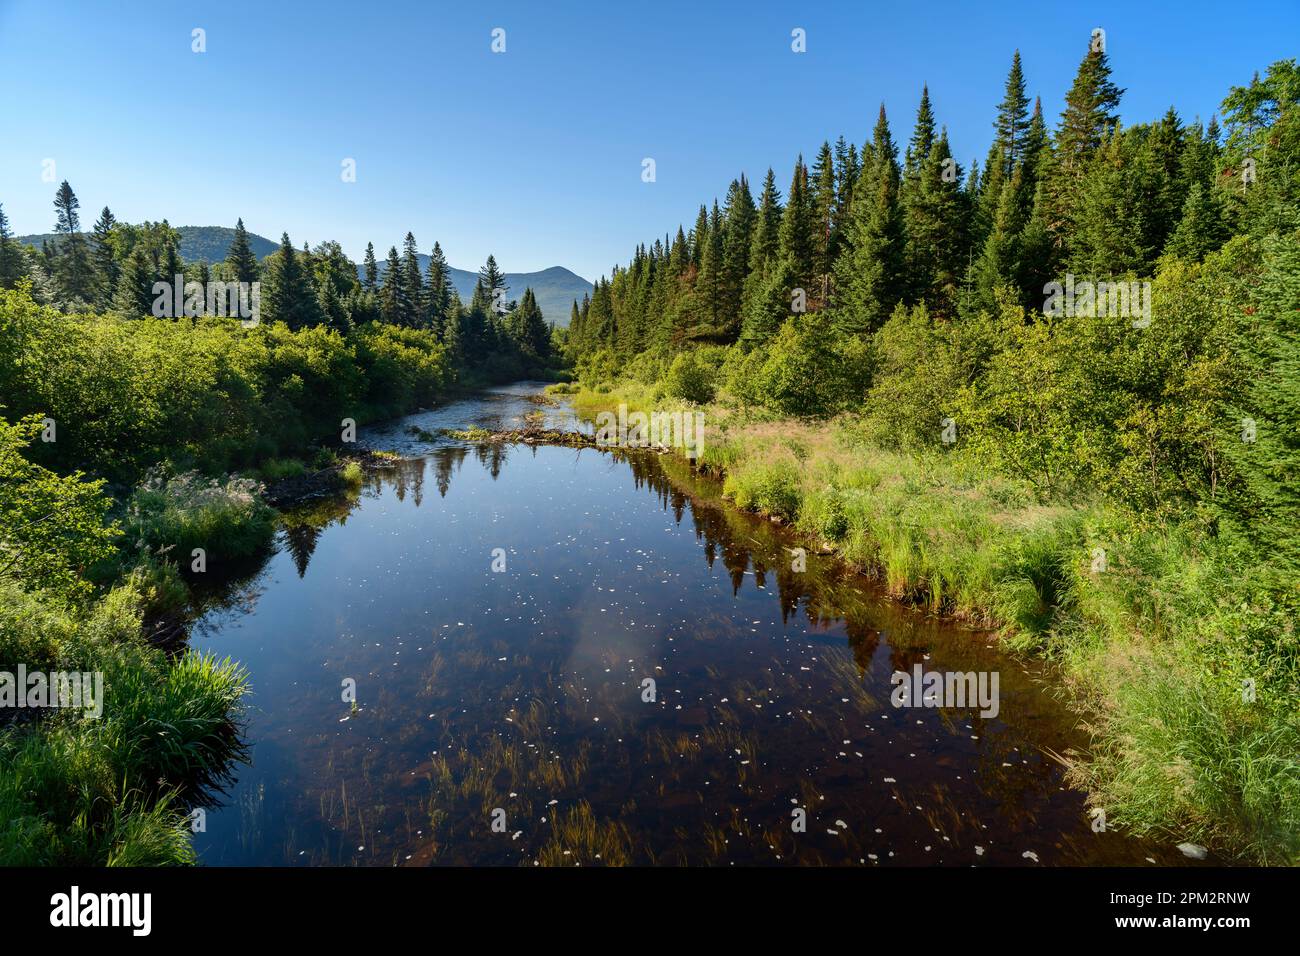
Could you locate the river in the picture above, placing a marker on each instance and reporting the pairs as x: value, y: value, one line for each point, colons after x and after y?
x: 567, y: 656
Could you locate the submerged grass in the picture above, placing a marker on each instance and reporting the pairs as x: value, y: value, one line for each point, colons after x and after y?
x: 1182, y: 653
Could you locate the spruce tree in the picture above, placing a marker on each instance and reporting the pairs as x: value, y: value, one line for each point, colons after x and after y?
x: 370, y: 282
x: 935, y: 229
x: 72, y: 270
x: 1200, y: 229
x: 412, y: 283
x: 824, y: 197
x: 134, y: 295
x: 240, y: 258
x: 392, y: 299
x: 292, y: 295
x: 870, y: 273
x: 1089, y: 114
x: 741, y: 217
x: 528, y: 328
x: 1011, y: 127
x: 766, y: 240
x: 1088, y: 118
x: 438, y: 291
x: 700, y: 236
x: 104, y: 259
x: 1263, y: 501
x: 494, y: 286
x: 12, y: 260
x: 999, y: 263
x: 708, y: 285
x: 798, y: 229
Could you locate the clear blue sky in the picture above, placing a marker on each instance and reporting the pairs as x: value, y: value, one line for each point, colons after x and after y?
x: 535, y: 154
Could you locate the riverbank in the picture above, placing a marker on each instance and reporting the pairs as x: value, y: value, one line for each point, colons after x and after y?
x: 1167, y: 642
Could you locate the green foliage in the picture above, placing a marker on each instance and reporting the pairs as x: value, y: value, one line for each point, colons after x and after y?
x: 810, y: 369
x: 52, y: 528
x: 170, y: 516
x: 1261, y: 441
x: 206, y: 393
x: 690, y: 379
x: 77, y: 791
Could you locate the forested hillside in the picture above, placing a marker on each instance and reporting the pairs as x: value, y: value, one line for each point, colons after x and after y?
x: 917, y: 291
x: 1055, y: 393
x: 197, y: 243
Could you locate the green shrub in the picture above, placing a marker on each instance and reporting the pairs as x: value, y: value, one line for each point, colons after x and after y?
x: 771, y: 487
x: 277, y: 469
x: 690, y: 378
x: 353, y: 474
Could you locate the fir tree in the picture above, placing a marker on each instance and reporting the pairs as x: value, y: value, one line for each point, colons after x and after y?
x: 134, y: 296
x: 741, y: 217
x: 1089, y: 114
x: 104, y: 256
x: 1088, y: 119
x: 412, y: 283
x: 824, y: 198
x: 870, y: 273
x: 493, y: 281
x: 766, y: 240
x: 439, y: 291
x: 708, y: 286
x: 1011, y: 128
x: 72, y: 269
x: 392, y: 299
x: 1200, y: 229
x: 12, y: 260
x: 798, y: 229
x: 371, y: 280
x: 240, y: 258
x: 292, y: 295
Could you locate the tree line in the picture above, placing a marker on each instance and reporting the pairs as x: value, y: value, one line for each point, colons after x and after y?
x: 864, y: 230
x: 912, y: 294
x: 114, y: 269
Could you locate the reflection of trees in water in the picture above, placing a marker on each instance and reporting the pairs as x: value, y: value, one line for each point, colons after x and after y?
x: 547, y: 752
x: 300, y: 540
x: 492, y: 455
x: 409, y: 473
x: 745, y: 543
x: 445, y: 461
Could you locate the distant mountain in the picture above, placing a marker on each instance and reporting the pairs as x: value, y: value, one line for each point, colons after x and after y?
x: 209, y: 243
x: 555, y: 288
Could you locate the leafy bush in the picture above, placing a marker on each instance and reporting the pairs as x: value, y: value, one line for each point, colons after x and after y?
x: 52, y: 528
x: 810, y: 370
x: 690, y: 379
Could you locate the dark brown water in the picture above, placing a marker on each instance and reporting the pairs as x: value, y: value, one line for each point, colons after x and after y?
x: 518, y: 696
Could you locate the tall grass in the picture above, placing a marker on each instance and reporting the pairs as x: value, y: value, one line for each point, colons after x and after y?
x: 171, y: 515
x: 114, y: 790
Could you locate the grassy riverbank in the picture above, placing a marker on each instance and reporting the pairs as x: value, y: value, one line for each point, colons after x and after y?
x: 1155, y: 627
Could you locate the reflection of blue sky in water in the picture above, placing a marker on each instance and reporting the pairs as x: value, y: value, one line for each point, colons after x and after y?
x: 523, y: 690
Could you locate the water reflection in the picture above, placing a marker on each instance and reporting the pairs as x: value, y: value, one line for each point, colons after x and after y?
x: 506, y: 718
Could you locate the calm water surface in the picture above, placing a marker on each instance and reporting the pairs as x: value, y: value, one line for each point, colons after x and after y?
x: 522, y: 691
